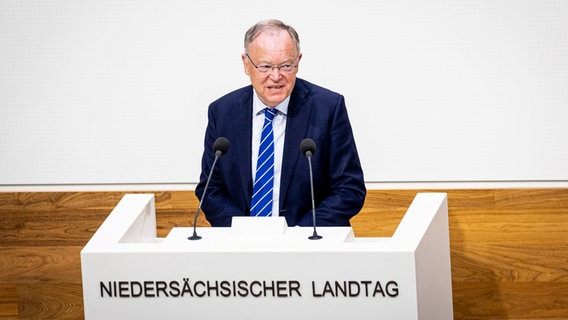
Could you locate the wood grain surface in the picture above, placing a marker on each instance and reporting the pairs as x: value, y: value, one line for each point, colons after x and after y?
x: 509, y: 247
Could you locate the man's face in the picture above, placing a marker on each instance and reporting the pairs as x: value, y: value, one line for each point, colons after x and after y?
x: 272, y: 48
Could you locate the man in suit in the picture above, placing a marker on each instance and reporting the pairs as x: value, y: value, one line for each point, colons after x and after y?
x: 303, y: 110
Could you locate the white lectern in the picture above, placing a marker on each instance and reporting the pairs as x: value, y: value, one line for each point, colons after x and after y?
x: 262, y: 269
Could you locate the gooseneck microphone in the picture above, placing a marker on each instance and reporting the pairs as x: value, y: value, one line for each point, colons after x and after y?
x: 308, y: 148
x: 220, y: 147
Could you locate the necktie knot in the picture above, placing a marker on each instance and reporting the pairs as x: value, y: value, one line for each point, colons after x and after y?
x: 269, y: 113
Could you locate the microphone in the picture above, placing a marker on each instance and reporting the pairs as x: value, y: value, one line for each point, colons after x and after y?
x: 220, y: 147
x: 308, y: 148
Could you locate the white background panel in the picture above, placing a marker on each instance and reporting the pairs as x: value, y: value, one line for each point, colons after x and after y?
x: 116, y: 92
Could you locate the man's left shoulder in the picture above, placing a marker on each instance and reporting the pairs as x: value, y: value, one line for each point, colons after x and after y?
x: 313, y: 88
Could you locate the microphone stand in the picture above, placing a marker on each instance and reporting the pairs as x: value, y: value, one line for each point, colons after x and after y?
x: 315, y: 235
x: 195, y: 236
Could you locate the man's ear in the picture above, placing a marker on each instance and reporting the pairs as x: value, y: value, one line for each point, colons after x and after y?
x: 245, y: 64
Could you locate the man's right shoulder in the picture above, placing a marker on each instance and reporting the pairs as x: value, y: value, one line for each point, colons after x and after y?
x: 236, y: 96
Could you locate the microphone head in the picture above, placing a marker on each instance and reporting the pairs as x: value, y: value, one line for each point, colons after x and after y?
x: 221, y: 145
x: 308, y: 145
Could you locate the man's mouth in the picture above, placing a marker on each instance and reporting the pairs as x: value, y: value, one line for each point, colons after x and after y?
x: 275, y: 87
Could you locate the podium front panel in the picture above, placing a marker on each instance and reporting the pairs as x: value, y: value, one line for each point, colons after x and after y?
x: 229, y: 273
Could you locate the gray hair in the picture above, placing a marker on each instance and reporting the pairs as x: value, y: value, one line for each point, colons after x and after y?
x: 261, y: 26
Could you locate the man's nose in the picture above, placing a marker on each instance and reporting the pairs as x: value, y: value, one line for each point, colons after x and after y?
x: 275, y: 72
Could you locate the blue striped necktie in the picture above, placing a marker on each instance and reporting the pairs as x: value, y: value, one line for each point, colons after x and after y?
x: 261, y: 203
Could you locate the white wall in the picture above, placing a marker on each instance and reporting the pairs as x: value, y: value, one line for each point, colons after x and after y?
x: 116, y: 92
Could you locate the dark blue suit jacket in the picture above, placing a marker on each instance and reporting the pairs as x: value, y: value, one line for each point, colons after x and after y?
x: 313, y: 112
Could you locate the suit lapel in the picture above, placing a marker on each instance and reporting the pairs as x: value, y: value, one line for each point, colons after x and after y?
x: 299, y: 112
x: 242, y: 129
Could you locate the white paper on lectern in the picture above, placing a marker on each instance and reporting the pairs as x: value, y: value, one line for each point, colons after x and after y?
x: 252, y: 226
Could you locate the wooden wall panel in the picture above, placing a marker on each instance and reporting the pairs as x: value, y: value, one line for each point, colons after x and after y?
x: 52, y: 300
x: 509, y: 247
x: 8, y: 301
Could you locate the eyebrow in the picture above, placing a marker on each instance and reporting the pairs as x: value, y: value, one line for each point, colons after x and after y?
x: 265, y: 63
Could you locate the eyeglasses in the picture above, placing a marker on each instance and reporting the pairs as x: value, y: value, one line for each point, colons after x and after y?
x: 265, y: 68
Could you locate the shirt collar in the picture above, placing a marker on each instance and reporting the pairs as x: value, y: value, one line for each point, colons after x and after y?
x: 258, y: 106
